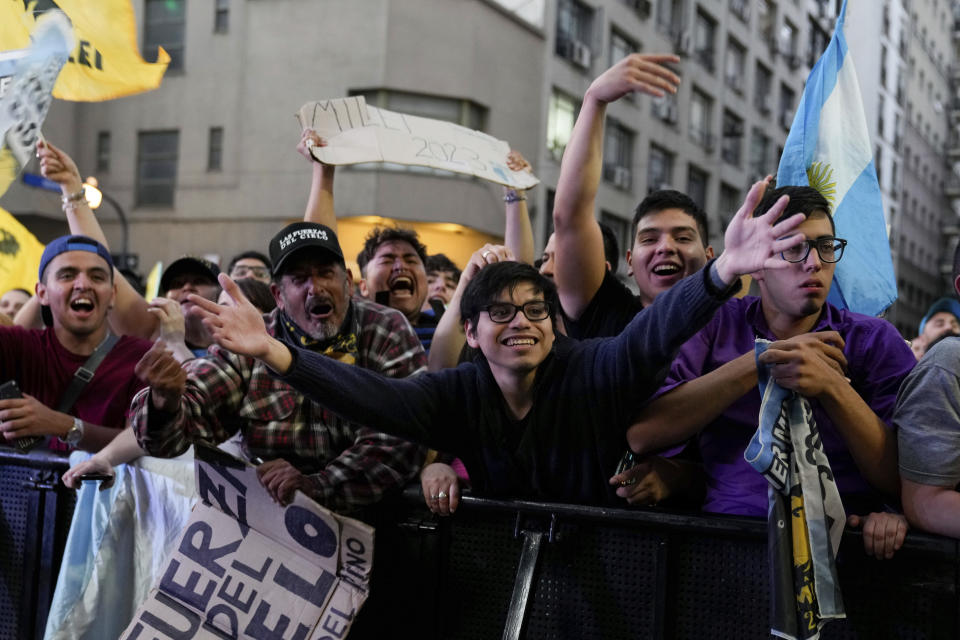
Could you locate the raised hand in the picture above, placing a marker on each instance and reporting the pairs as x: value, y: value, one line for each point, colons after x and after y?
x: 163, y: 374
x: 238, y: 326
x: 638, y: 72
x: 309, y: 139
x: 56, y: 165
x: 752, y: 244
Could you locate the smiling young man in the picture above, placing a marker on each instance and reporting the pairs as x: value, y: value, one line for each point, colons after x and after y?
x: 76, y: 289
x: 537, y: 415
x: 670, y: 230
x: 848, y: 365
x: 338, y: 463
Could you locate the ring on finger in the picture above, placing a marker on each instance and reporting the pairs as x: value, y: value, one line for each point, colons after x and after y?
x: 442, y: 495
x: 309, y: 143
x: 485, y: 254
x: 434, y: 498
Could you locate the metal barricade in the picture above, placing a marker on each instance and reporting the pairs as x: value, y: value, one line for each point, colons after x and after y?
x: 35, y: 512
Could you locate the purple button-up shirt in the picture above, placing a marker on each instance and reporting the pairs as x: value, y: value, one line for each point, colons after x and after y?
x: 878, y: 359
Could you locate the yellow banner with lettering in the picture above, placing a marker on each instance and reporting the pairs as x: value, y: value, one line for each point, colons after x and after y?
x: 20, y: 253
x: 105, y: 62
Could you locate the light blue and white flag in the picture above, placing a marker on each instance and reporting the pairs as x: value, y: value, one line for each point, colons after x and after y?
x: 829, y: 148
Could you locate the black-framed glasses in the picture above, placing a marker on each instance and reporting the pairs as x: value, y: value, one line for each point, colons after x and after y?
x: 504, y: 312
x: 829, y: 249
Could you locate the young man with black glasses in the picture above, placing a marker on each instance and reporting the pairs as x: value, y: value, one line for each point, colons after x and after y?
x: 848, y: 365
x: 538, y: 415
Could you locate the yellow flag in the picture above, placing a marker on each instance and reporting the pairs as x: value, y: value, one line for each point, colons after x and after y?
x: 153, y: 282
x: 20, y: 255
x: 106, y: 62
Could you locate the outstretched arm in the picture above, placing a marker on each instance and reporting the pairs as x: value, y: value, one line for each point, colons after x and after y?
x: 130, y: 315
x: 518, y: 234
x: 415, y: 408
x: 580, y: 262
x: 320, y: 202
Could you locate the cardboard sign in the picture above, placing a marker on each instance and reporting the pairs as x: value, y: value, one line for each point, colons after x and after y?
x: 246, y: 567
x: 356, y: 132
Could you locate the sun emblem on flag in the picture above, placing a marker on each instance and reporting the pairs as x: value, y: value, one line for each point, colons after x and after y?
x: 820, y: 177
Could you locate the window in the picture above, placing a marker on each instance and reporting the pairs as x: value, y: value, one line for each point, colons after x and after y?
x: 156, y: 167
x: 704, y: 35
x: 574, y: 30
x: 787, y: 97
x: 103, y: 152
x: 736, y: 63
x: 729, y: 202
x: 560, y: 119
x: 731, y: 149
x: 759, y: 154
x: 163, y: 26
x: 618, y: 155
x: 817, y: 44
x: 620, y: 228
x: 767, y: 23
x: 215, y: 149
x: 790, y: 44
x: 697, y: 180
x: 741, y: 9
x: 531, y: 11
x: 665, y: 108
x: 701, y: 113
x: 880, y: 120
x: 620, y: 47
x: 669, y: 17
x: 457, y: 110
x: 883, y: 66
x: 762, y: 88
x: 659, y: 168
x: 221, y: 16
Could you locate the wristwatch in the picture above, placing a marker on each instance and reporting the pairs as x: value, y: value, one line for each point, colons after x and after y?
x: 74, y: 434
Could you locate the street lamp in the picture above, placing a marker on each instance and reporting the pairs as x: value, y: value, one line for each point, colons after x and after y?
x: 95, y: 198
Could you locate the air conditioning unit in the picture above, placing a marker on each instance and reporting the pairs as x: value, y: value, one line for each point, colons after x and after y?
x: 621, y: 177
x: 684, y: 43
x: 580, y: 54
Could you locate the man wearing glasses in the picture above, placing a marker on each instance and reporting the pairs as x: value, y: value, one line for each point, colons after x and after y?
x: 848, y: 365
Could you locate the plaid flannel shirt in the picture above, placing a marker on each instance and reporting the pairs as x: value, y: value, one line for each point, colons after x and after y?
x: 349, y: 465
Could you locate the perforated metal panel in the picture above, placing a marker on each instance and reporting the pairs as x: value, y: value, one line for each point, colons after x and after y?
x: 595, y: 584
x: 719, y: 588
x: 483, y: 556
x: 13, y: 533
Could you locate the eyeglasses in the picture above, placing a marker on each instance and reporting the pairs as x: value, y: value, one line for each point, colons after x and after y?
x: 504, y: 312
x: 828, y: 248
x: 242, y: 271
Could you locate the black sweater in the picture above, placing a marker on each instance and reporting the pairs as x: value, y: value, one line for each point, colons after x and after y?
x: 569, y: 443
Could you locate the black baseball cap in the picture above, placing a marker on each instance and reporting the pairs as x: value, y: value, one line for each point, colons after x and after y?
x: 303, y: 235
x: 188, y: 264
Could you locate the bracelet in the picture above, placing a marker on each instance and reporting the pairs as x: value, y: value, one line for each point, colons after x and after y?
x: 513, y: 196
x: 74, y: 197
x: 70, y: 206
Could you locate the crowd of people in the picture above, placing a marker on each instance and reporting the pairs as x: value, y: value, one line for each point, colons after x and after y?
x: 513, y: 377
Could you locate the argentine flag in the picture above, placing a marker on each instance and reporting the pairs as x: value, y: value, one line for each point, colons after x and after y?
x: 828, y: 148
